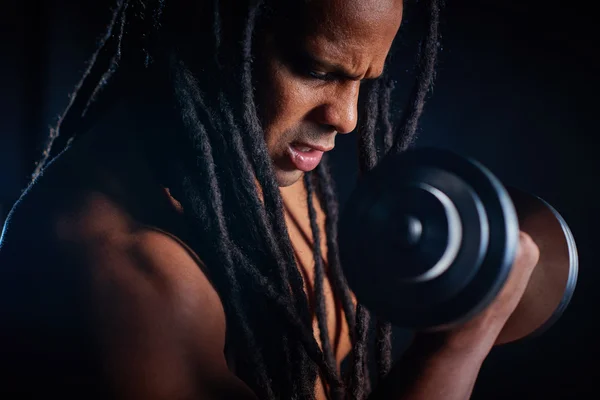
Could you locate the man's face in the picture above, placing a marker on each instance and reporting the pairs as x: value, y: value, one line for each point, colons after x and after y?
x: 309, y: 81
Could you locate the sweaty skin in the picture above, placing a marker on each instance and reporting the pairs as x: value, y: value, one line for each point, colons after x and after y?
x: 101, y: 297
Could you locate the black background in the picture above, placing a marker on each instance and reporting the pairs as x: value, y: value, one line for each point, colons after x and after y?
x: 515, y: 90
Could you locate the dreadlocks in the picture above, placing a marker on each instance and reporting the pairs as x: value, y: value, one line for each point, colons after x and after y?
x: 239, y: 229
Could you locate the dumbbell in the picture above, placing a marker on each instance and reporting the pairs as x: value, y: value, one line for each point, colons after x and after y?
x: 428, y: 237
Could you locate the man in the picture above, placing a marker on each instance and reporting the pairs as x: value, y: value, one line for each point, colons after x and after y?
x: 173, y: 250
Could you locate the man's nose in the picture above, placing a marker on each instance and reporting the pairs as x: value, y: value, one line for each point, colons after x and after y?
x: 339, y: 109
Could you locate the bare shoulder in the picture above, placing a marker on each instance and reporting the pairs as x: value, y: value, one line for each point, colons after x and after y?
x: 90, y: 298
x: 153, y: 300
x: 151, y: 266
x: 159, y: 318
x: 154, y: 321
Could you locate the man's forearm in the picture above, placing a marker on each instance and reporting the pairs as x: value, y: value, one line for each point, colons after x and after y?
x: 428, y: 372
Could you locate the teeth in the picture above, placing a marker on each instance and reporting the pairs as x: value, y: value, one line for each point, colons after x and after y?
x: 304, y: 149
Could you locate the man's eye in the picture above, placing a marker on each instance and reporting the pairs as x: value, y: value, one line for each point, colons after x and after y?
x: 324, y: 76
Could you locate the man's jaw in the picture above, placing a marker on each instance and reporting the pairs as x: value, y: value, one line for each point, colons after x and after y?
x: 287, y: 178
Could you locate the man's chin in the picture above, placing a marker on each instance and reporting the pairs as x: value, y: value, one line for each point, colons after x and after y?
x: 287, y: 178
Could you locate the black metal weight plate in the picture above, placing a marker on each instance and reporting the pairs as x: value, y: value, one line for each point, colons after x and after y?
x: 427, y: 238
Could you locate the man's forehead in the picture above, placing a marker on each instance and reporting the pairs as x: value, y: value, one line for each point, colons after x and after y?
x: 335, y: 13
x: 353, y: 20
x: 353, y: 33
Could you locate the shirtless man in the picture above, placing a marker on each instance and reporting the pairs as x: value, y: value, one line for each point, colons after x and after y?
x: 167, y: 252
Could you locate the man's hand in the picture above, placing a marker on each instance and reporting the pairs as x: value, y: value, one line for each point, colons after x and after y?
x: 481, y: 332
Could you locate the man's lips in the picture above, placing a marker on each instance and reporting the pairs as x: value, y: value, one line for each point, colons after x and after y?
x: 306, y: 156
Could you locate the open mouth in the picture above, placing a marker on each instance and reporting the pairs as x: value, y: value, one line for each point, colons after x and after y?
x: 304, y: 158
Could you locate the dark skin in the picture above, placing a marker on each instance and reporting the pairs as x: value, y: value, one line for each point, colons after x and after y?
x: 145, y: 300
x: 314, y: 97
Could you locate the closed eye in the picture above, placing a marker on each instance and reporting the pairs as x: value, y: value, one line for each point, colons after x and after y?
x: 332, y: 77
x: 322, y: 76
x: 309, y: 66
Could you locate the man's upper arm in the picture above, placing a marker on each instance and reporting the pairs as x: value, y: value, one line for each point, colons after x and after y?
x: 160, y: 322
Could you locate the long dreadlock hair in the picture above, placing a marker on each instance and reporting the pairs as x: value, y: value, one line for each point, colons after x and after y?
x: 239, y: 230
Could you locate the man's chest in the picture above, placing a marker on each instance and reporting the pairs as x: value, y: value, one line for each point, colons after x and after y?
x: 301, y: 236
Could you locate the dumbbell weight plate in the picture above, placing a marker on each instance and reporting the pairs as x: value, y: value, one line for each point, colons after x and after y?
x: 396, y: 228
x: 553, y: 280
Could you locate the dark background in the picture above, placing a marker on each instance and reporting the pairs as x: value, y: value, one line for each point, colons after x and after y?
x: 515, y: 90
